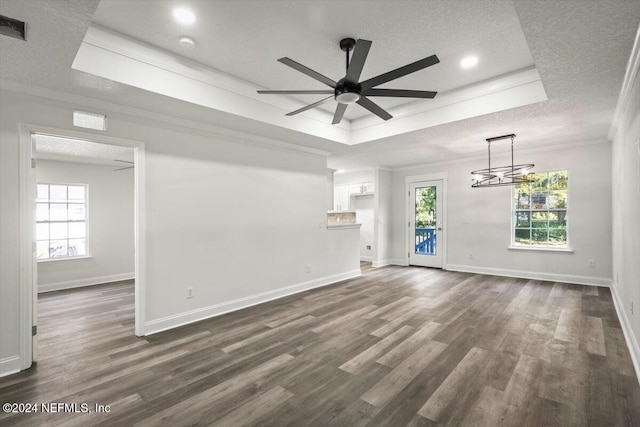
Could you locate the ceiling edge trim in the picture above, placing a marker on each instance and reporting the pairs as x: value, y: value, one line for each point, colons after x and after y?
x: 113, y: 108
x: 472, y: 91
x: 120, y: 44
x: 505, y: 154
x: 630, y: 76
x: 131, y: 72
x: 502, y: 100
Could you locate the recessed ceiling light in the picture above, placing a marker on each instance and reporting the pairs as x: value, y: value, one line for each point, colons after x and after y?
x: 184, y: 16
x: 469, y: 61
x: 187, y: 42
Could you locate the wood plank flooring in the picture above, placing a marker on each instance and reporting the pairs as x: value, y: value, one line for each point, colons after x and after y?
x: 399, y: 346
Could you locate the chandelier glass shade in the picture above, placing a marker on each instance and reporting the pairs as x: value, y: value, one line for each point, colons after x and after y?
x: 501, y: 175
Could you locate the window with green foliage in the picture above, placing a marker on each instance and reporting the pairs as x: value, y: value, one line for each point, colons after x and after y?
x: 540, y: 211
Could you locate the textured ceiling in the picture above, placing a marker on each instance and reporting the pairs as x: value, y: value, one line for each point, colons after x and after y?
x: 245, y: 38
x: 580, y: 49
x: 75, y: 150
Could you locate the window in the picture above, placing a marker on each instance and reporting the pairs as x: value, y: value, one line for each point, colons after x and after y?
x: 61, y: 221
x: 540, y: 211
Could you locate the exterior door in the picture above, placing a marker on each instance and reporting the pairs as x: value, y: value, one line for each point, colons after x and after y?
x: 426, y: 224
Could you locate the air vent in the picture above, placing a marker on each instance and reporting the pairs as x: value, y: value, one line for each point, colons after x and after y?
x: 87, y: 120
x: 13, y: 28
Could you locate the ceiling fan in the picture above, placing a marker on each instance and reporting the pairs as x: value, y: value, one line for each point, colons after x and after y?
x: 349, y: 90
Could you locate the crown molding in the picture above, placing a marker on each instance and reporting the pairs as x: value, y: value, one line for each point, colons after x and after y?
x: 534, y: 150
x: 79, y: 101
x: 630, y: 78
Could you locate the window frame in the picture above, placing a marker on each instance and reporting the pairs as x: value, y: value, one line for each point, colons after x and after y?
x: 551, y: 248
x: 87, y: 253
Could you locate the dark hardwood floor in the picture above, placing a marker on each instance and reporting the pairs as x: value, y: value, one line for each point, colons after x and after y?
x: 398, y: 346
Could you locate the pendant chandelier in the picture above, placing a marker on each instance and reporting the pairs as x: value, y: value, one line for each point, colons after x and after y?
x: 501, y: 175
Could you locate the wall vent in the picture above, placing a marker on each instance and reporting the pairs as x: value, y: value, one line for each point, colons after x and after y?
x: 87, y: 120
x: 13, y: 28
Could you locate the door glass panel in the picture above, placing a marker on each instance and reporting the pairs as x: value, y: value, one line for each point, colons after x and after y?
x: 425, y: 220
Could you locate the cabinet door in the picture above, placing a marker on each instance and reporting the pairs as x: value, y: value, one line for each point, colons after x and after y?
x: 355, y: 189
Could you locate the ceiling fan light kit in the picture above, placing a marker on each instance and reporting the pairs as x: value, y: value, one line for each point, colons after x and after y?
x: 501, y: 175
x: 349, y: 90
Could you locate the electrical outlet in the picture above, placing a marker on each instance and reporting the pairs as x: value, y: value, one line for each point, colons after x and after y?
x: 189, y: 293
x: 308, y: 268
x: 591, y: 263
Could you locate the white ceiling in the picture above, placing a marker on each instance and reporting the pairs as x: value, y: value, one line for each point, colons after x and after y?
x: 245, y: 38
x: 80, y: 151
x: 579, y: 48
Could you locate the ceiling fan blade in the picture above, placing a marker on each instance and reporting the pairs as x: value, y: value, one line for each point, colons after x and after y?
x: 374, y: 108
x: 123, y: 161
x: 399, y: 72
x: 360, y: 52
x: 296, y: 92
x: 400, y: 93
x: 121, y: 169
x: 308, y: 71
x: 310, y: 106
x: 340, y: 109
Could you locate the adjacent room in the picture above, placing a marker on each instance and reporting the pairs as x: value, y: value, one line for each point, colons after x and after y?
x: 347, y: 213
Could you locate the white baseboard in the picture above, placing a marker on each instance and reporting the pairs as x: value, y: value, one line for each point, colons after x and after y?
x: 173, y: 321
x: 10, y: 365
x: 366, y: 258
x: 385, y: 262
x: 381, y: 263
x: 50, y: 287
x: 535, y: 275
x: 632, y: 342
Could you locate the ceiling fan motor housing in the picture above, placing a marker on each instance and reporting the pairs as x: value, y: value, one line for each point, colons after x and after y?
x: 347, y: 93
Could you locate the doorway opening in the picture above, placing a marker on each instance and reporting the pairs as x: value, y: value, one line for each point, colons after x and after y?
x: 81, y: 195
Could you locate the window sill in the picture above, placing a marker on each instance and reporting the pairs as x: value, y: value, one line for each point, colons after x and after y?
x: 70, y: 258
x: 540, y: 249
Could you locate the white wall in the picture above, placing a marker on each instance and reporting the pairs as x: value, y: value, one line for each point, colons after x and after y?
x: 383, y: 217
x: 479, y: 219
x: 235, y: 220
x: 364, y: 209
x: 355, y: 177
x: 626, y: 207
x: 111, y: 226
